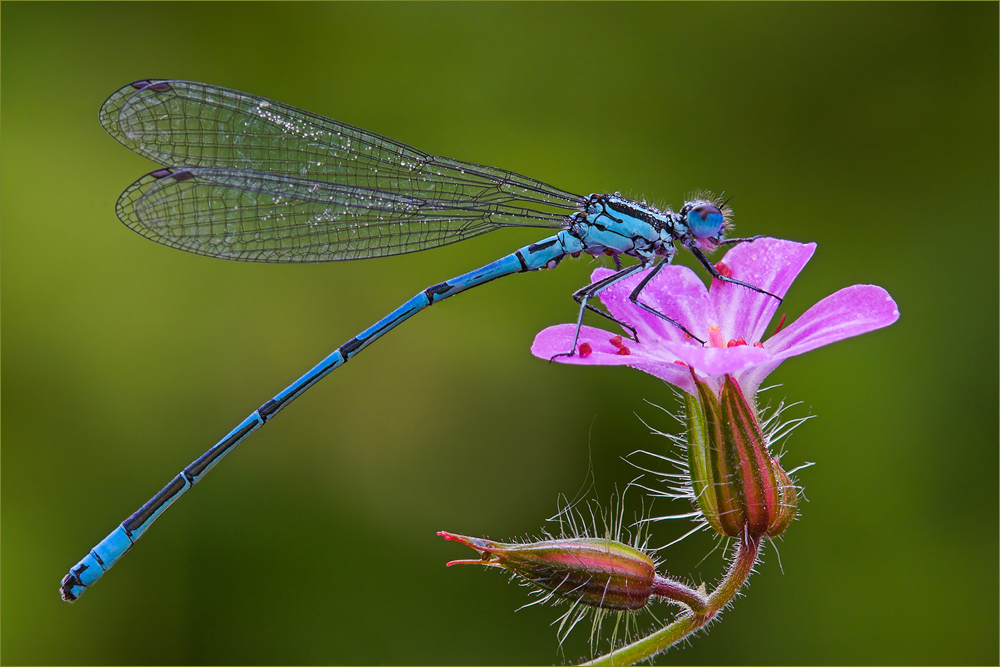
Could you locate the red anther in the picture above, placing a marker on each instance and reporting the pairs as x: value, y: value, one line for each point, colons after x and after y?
x: 586, y: 350
x: 736, y: 343
x: 723, y: 269
x: 623, y: 351
x: 616, y: 341
x: 680, y: 363
x: 781, y: 323
x: 759, y: 344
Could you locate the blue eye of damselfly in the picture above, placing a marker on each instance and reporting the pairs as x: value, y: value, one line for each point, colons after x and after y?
x: 705, y: 220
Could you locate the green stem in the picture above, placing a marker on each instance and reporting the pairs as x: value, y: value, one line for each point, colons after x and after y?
x: 664, y: 638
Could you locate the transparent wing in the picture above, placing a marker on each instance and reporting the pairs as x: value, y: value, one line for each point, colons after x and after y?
x: 259, y: 217
x: 185, y: 124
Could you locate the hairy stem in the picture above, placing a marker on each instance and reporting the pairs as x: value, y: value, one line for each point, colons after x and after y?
x: 667, y: 636
x: 681, y: 594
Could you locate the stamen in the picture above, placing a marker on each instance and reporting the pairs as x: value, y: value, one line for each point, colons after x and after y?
x: 758, y: 344
x: 781, y: 323
x: 737, y: 342
x: 622, y: 350
x: 724, y: 269
x: 715, y: 336
x: 586, y: 350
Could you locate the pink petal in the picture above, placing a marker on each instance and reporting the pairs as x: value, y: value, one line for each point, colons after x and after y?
x: 558, y: 339
x: 675, y: 374
x: 721, y: 360
x: 656, y: 359
x: 849, y: 312
x: 676, y: 291
x: 770, y: 264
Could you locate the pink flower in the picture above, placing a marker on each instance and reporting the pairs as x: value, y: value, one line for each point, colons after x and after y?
x: 732, y: 319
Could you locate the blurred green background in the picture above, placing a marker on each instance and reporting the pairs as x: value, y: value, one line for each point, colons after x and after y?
x: 869, y: 129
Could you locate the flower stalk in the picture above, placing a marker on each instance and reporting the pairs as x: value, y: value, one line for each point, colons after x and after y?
x: 688, y: 623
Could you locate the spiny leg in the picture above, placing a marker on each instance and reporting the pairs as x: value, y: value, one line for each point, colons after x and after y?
x: 583, y: 295
x: 634, y: 298
x: 747, y: 239
x: 726, y: 279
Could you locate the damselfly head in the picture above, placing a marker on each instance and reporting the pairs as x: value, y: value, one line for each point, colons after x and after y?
x: 707, y: 220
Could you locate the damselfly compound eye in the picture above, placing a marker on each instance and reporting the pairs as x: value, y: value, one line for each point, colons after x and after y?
x: 705, y: 220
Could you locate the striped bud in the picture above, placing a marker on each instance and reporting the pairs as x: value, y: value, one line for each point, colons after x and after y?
x: 738, y: 485
x: 597, y: 572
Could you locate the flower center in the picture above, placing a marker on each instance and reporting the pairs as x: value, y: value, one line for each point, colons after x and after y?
x: 715, y: 336
x: 715, y: 339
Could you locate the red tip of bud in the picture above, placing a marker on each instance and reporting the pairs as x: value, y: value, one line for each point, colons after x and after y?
x: 724, y: 269
x: 473, y: 542
x: 586, y: 349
